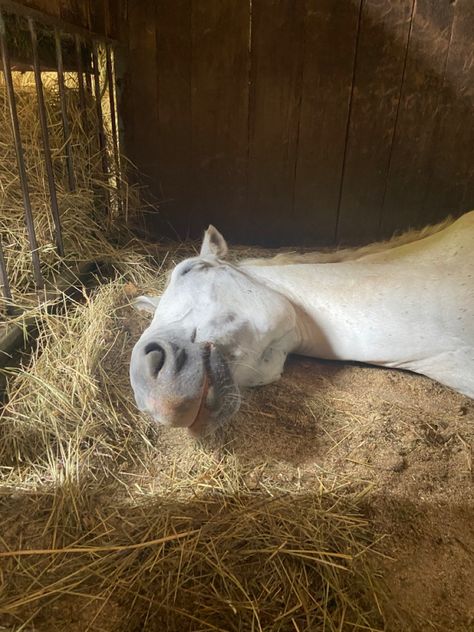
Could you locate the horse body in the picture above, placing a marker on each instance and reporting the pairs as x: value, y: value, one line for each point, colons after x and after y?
x: 387, y: 314
x: 220, y: 326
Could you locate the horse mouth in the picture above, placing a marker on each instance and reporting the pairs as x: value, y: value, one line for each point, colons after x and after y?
x: 197, y: 426
x: 220, y: 397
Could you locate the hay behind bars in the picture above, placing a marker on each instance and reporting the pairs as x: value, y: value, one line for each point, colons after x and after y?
x: 119, y: 543
x: 89, y: 231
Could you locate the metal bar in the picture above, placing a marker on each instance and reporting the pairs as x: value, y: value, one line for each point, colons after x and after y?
x: 88, y: 82
x: 92, y: 139
x: 19, y: 156
x: 4, y: 280
x: 62, y: 97
x: 80, y: 79
x: 113, y: 115
x: 83, y: 101
x: 46, y: 146
x: 100, y: 118
x: 18, y: 8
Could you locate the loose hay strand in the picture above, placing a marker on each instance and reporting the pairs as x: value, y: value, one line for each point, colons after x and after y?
x: 96, y: 549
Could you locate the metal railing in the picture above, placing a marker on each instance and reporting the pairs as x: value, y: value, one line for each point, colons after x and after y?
x: 86, y: 46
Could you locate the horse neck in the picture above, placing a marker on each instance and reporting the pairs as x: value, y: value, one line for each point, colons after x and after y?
x: 351, y: 310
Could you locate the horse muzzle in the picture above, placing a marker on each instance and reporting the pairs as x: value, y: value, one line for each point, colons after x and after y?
x: 182, y: 385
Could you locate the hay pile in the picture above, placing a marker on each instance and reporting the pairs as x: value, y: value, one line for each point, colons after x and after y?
x: 89, y: 232
x: 123, y: 538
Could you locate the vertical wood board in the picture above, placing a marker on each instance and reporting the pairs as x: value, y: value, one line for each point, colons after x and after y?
x: 451, y: 188
x: 275, y: 99
x: 141, y: 88
x: 419, y: 111
x: 219, y: 97
x: 173, y: 74
x: 329, y: 52
x: 380, y: 60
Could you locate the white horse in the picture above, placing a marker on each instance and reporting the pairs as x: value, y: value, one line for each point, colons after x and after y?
x: 407, y: 303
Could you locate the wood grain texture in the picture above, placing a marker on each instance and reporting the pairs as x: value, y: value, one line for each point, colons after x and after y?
x: 86, y: 14
x: 380, y: 60
x: 219, y: 97
x: 419, y: 110
x: 50, y: 7
x: 275, y: 99
x: 112, y: 11
x: 173, y: 75
x: 97, y: 15
x: 451, y: 188
x: 330, y: 35
x: 75, y: 12
x: 141, y: 129
x: 259, y: 140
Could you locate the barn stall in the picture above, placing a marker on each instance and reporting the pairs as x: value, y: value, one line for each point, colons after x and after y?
x: 339, y: 498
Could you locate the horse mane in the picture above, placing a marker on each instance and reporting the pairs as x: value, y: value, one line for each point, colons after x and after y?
x: 350, y: 254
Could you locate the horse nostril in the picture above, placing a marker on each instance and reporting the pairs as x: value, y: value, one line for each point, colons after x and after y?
x: 155, y: 357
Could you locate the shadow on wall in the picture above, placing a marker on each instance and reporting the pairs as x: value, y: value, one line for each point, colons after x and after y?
x: 301, y: 124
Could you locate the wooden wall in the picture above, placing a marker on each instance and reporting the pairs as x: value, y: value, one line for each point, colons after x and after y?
x: 102, y: 17
x: 301, y: 121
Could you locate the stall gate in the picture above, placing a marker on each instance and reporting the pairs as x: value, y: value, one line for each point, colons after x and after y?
x: 59, y: 47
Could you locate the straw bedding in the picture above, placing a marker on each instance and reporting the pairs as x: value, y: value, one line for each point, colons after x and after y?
x: 169, y: 540
x: 273, y: 524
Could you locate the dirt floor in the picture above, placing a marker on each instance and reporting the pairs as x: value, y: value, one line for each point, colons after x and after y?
x: 408, y: 442
x: 402, y: 440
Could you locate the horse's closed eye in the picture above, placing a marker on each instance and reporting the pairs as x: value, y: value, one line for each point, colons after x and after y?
x: 186, y: 270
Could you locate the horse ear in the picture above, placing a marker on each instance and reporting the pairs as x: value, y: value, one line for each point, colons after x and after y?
x: 214, y: 244
x: 146, y: 303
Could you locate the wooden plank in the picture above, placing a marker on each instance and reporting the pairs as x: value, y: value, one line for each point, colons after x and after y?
x: 173, y: 72
x: 275, y: 93
x: 122, y: 20
x: 97, y: 15
x: 419, y: 111
x: 451, y: 185
x: 380, y: 59
x: 326, y: 91
x: 220, y: 73
x: 50, y: 7
x: 112, y: 9
x: 74, y: 11
x: 140, y: 89
x: 48, y: 13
